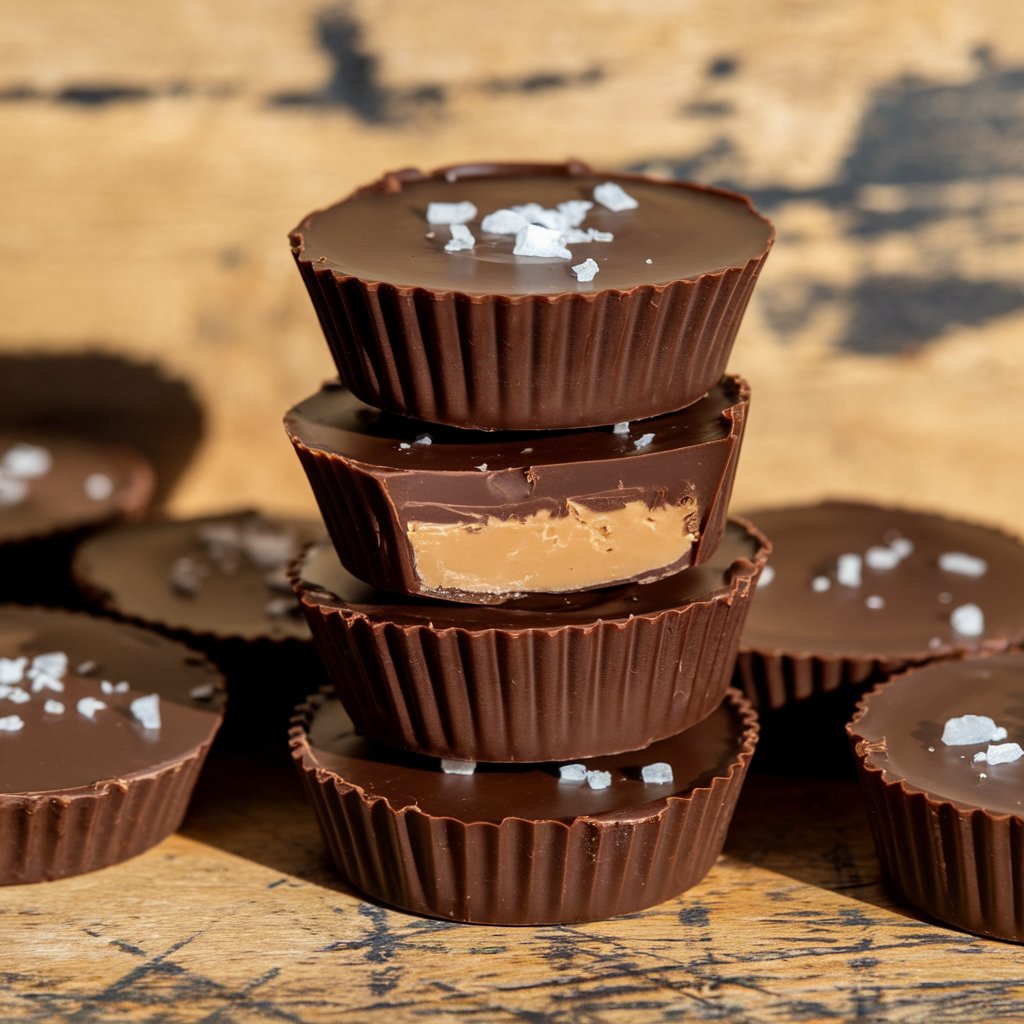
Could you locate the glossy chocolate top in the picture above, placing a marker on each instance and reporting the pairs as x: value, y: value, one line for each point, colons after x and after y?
x: 323, y: 581
x: 532, y: 792
x: 380, y: 233
x: 50, y: 482
x: 65, y: 750
x: 902, y: 723
x: 219, y: 575
x: 905, y: 610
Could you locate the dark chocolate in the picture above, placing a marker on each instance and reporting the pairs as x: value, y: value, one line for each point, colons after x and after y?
x: 487, y: 339
x: 381, y: 481
x: 516, y: 845
x: 489, y: 683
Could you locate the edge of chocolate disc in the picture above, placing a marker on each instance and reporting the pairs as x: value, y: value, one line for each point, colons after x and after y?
x: 523, y: 872
x: 580, y: 359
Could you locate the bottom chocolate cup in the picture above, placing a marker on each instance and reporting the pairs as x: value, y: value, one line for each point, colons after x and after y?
x: 516, y: 844
x: 948, y: 825
x: 103, y: 731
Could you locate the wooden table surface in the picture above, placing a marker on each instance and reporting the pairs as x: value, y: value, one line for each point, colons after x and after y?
x: 240, y: 917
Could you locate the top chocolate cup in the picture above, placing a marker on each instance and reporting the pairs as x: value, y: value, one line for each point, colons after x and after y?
x: 488, y: 340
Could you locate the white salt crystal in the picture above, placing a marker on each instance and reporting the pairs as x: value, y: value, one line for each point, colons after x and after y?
x: 575, y: 211
x: 98, y: 486
x: 935, y: 642
x: 999, y: 734
x: 1004, y: 753
x: 450, y: 213
x: 12, y: 491
x: 482, y: 467
x: 11, y: 723
x: 12, y: 670
x: 967, y: 729
x: 453, y: 766
x: 85, y: 668
x: 621, y: 428
x: 648, y: 260
x: 52, y: 663
x: 503, y: 222
x: 108, y: 687
x: 643, y: 440
x: 572, y: 773
x: 461, y: 240
x: 575, y: 236
x: 42, y: 681
x: 556, y: 220
x: 981, y: 755
x: 614, y: 197
x: 268, y: 548
x: 874, y: 601
x: 424, y: 439
x: 404, y: 444
x: 848, y: 570
x: 820, y: 584
x: 186, y: 576
x: 27, y: 461
x: 53, y: 707
x: 658, y: 773
x: 220, y: 536
x: 599, y: 780
x: 147, y: 710
x: 962, y: 564
x: 902, y: 546
x: 16, y: 695
x: 967, y: 620
x: 537, y: 241
x: 586, y: 271
x: 204, y: 691
x: 88, y: 706
x: 526, y: 451
x: 601, y: 236
x: 767, y: 575
x: 881, y: 558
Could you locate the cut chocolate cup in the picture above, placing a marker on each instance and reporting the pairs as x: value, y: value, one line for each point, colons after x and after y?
x: 920, y: 588
x: 103, y: 731
x: 217, y: 583
x: 518, y: 845
x: 484, y: 517
x: 487, y: 339
x: 552, y: 676
x: 948, y: 820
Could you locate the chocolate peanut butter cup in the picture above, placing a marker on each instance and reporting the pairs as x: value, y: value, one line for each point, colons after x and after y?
x: 103, y: 730
x: 524, y: 844
x: 858, y: 592
x: 939, y: 754
x: 531, y: 296
x: 549, y: 676
x: 485, y: 517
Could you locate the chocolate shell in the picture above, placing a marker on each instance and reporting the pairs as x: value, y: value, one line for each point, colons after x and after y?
x: 551, y: 676
x: 800, y: 641
x: 490, y: 340
x: 486, y: 517
x: 949, y: 829
x: 514, y: 845
x: 81, y: 786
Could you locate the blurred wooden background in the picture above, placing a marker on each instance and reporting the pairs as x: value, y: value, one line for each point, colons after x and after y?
x: 153, y: 158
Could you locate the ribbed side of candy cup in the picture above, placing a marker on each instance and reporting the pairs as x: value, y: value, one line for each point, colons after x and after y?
x: 524, y: 872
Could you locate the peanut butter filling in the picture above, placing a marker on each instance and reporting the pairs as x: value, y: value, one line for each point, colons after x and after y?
x: 552, y: 553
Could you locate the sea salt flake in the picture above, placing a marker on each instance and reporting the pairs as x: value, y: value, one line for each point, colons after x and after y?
x: 614, y: 197
x: 599, y: 780
x: 268, y: 548
x: 85, y: 668
x: 462, y: 239
x: 204, y: 691
x: 424, y: 439
x: 534, y: 240
x: 27, y: 461
x: 621, y: 428
x: 453, y: 766
x: 935, y: 642
x: 575, y: 211
x: 820, y: 584
x: 482, y: 467
x: 12, y: 670
x: 53, y: 707
x: 658, y: 773
x: 450, y: 213
x: 106, y: 686
x: 902, y: 546
x: 12, y: 491
x: 575, y: 236
x: 767, y: 575
x: 848, y: 570
x: 1003, y: 753
x: 88, y: 706
x: 556, y: 220
x: 98, y: 486
x: 572, y: 773
x: 43, y: 681
x: 52, y: 663
x: 881, y: 558
x: 874, y: 601
x: 967, y: 620
x: 528, y: 211
x: 643, y: 440
x: 967, y: 729
x: 586, y: 271
x: 16, y: 695
x: 11, y: 723
x: 503, y: 222
x: 147, y: 710
x: 601, y: 236
x: 404, y: 444
x: 962, y: 564
x: 186, y: 576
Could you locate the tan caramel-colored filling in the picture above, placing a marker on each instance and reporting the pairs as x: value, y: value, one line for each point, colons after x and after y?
x: 544, y: 552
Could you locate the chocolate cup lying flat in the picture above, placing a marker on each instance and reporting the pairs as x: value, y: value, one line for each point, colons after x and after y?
x: 799, y: 642
x: 485, y: 517
x: 489, y: 340
x: 949, y: 831
x: 82, y: 788
x: 514, y: 845
x: 548, y: 677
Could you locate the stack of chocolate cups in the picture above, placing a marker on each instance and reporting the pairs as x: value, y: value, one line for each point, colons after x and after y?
x: 532, y: 599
